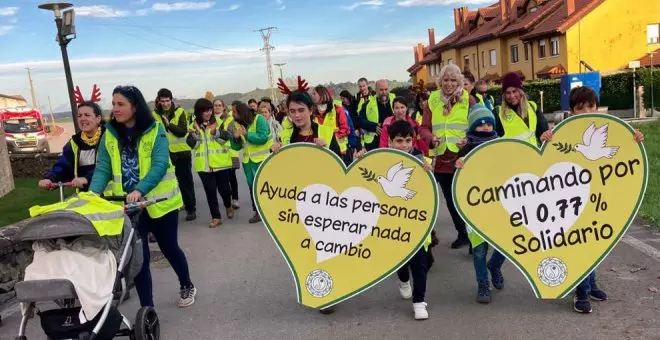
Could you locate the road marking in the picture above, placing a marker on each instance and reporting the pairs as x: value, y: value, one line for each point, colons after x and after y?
x: 642, y: 247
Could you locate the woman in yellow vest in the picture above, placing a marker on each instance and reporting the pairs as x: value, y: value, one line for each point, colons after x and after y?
x: 333, y: 116
x: 518, y: 117
x: 253, y: 137
x: 78, y: 159
x: 444, y: 124
x: 211, y: 159
x: 224, y: 115
x: 134, y: 154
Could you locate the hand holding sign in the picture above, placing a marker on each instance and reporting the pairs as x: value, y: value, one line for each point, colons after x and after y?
x: 344, y: 230
x: 558, y: 211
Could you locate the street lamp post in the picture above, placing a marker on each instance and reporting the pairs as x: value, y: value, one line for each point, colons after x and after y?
x: 65, y: 33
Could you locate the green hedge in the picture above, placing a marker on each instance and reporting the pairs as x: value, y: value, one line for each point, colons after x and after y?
x: 616, y: 90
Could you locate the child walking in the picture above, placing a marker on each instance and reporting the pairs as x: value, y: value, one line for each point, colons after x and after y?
x: 481, y: 122
x: 401, y: 134
x: 583, y: 99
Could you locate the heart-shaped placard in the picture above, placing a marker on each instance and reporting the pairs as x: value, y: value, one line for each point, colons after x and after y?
x: 343, y: 230
x: 555, y: 212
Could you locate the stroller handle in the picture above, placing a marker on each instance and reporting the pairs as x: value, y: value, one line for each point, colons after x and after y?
x: 53, y: 186
x: 139, y: 205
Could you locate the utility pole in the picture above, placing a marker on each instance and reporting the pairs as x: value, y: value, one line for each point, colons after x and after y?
x: 265, y: 35
x: 34, y: 97
x: 280, y: 65
x: 52, y: 118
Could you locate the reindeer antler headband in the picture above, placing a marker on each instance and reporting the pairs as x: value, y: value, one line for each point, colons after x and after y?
x: 302, y: 86
x: 96, y: 95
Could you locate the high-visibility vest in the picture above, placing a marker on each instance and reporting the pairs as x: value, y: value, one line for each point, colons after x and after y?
x: 256, y: 153
x: 324, y: 132
x: 176, y: 144
x: 514, y: 126
x: 106, y: 217
x: 361, y: 102
x: 338, y: 102
x: 330, y: 121
x: 168, y: 187
x: 372, y: 116
x: 225, y: 124
x: 287, y: 130
x: 210, y: 154
x: 451, y: 128
x: 418, y: 118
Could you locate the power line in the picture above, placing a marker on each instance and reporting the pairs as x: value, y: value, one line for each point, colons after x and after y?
x: 265, y: 35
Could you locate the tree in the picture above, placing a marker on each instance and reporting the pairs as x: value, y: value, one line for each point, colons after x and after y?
x: 209, y: 95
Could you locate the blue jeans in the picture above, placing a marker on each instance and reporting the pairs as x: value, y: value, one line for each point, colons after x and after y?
x: 479, y: 254
x: 418, y: 265
x: 587, y: 284
x: 165, y: 231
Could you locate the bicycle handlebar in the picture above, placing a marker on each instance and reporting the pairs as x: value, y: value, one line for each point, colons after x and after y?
x: 53, y: 186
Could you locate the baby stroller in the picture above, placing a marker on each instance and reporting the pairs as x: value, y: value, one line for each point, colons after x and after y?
x: 63, y: 322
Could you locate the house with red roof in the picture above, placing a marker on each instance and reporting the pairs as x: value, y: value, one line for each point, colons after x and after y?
x: 543, y: 39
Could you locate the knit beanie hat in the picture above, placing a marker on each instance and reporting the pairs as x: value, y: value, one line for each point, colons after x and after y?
x: 479, y: 114
x: 511, y: 80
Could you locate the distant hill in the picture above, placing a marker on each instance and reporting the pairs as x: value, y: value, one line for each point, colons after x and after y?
x: 260, y: 93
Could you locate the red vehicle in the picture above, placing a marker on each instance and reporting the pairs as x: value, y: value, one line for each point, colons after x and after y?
x: 25, y: 130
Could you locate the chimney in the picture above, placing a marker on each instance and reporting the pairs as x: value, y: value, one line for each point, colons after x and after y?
x: 513, y: 10
x: 457, y: 20
x: 464, y: 17
x: 570, y: 7
x: 504, y: 9
x: 419, y: 53
x: 431, y: 37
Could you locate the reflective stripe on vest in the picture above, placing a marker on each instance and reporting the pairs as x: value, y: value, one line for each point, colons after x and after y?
x: 106, y: 217
x: 256, y: 153
x: 168, y: 187
x: 373, y: 115
x: 515, y: 128
x: 176, y: 144
x: 210, y: 154
x: 451, y: 128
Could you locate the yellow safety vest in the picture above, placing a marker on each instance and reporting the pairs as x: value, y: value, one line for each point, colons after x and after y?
x: 514, y: 126
x: 168, y: 187
x: 418, y: 118
x: 451, y: 128
x: 106, y: 217
x: 372, y: 116
x: 324, y: 132
x: 226, y: 123
x: 361, y: 102
x: 287, y: 130
x: 330, y: 121
x: 176, y: 144
x: 256, y: 153
x: 209, y: 154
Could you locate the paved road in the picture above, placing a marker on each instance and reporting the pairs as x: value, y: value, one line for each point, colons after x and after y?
x: 246, y: 292
x: 57, y: 143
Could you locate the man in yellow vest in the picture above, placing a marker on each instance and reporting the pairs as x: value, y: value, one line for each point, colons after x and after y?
x: 175, y: 120
x: 373, y: 112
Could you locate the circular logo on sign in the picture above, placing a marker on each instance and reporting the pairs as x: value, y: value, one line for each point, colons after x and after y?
x: 319, y: 283
x: 552, y: 271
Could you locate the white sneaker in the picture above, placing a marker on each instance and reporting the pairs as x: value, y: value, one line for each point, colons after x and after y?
x: 405, y: 289
x: 234, y: 204
x: 420, y: 311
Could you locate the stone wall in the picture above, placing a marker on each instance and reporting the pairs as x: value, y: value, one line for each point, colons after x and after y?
x: 6, y: 176
x: 32, y: 165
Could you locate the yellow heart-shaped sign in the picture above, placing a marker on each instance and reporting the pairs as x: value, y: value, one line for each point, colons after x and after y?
x: 555, y: 212
x: 343, y: 230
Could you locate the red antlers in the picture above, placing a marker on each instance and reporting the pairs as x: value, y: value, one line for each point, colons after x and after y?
x: 302, y: 86
x: 96, y: 95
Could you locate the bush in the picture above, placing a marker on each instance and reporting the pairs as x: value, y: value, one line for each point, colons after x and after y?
x: 616, y: 90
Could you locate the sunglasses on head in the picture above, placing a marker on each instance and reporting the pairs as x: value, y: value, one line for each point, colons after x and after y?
x: 125, y: 88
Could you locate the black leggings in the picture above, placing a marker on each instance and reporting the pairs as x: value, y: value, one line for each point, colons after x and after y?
x: 212, y: 181
x: 233, y: 183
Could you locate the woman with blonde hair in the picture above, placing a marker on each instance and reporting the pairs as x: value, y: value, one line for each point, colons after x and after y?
x: 518, y: 117
x: 266, y: 110
x: 444, y: 123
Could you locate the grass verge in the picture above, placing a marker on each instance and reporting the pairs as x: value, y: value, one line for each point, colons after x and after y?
x: 15, y: 205
x: 650, y: 210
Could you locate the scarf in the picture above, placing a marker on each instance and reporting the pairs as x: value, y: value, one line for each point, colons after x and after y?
x: 91, y: 141
x: 449, y: 101
x: 476, y: 138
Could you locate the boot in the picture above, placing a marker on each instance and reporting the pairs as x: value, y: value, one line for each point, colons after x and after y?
x: 230, y: 212
x: 216, y: 222
x: 483, y: 292
x: 461, y: 240
x: 191, y: 216
x: 255, y: 219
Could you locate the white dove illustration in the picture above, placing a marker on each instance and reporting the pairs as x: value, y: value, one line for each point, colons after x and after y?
x: 395, y: 183
x: 594, y: 140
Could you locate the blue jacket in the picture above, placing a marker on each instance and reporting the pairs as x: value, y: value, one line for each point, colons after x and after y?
x: 160, y: 161
x: 353, y: 140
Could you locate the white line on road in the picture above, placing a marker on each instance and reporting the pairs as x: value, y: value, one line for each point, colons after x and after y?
x: 641, y: 246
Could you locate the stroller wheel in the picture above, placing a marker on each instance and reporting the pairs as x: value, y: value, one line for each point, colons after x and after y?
x: 147, y: 326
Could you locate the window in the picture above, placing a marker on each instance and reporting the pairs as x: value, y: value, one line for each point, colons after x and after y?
x: 493, y: 58
x: 483, y: 60
x: 526, y: 48
x: 466, y: 63
x: 554, y: 47
x: 514, y: 54
x: 542, y: 49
